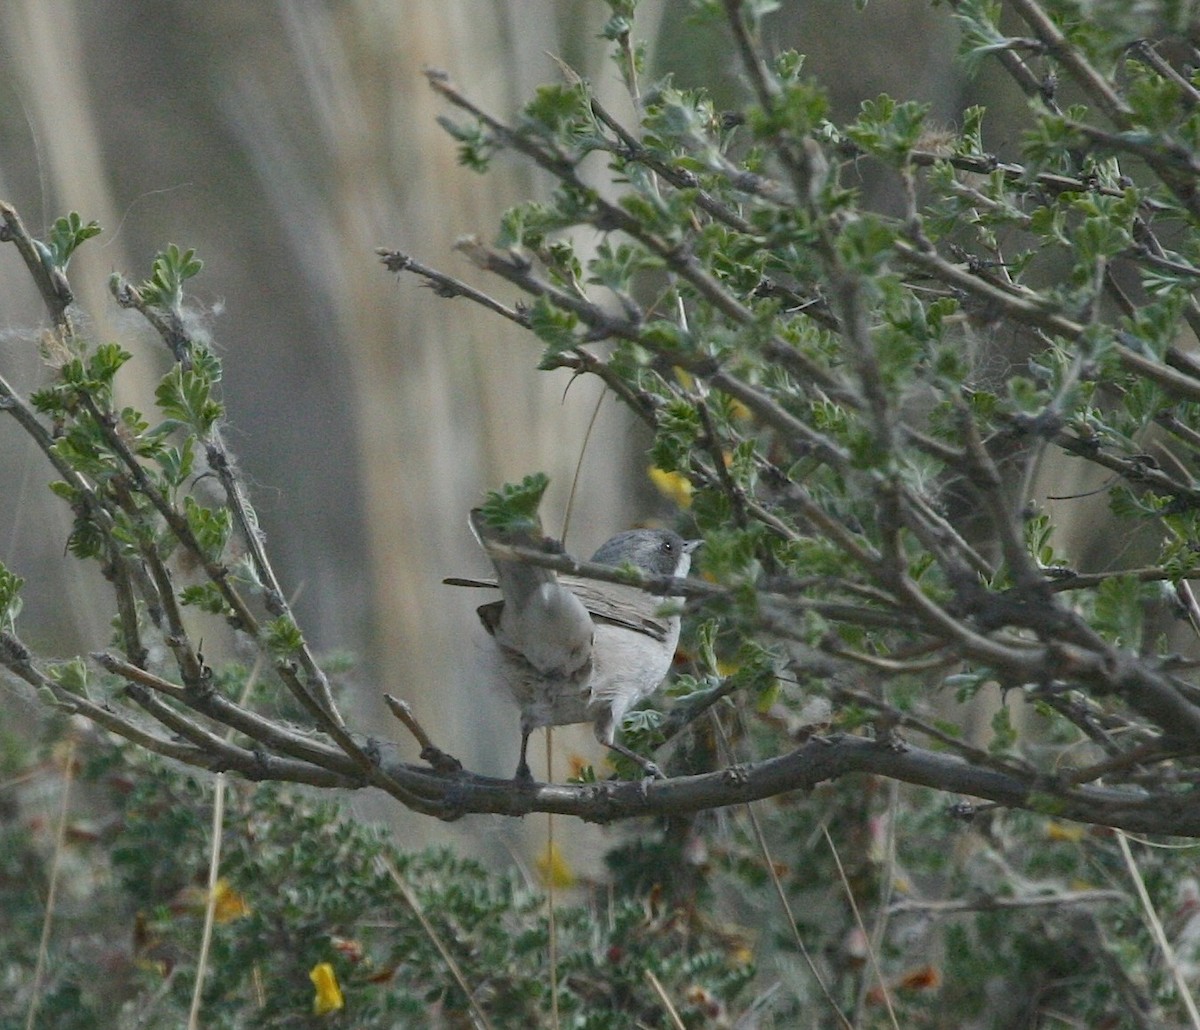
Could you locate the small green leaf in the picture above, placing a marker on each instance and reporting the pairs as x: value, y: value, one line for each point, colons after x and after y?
x: 104, y: 364
x: 211, y: 526
x: 1121, y: 610
x: 86, y: 539
x: 186, y: 394
x: 283, y: 637
x: 555, y: 107
x: 515, y: 505
x: 72, y: 676
x: 171, y: 269
x: 177, y: 462
x: 587, y: 774
x: 475, y: 145
x: 1004, y: 734
x: 10, y: 599
x: 553, y: 326
x: 205, y: 596
x: 66, y: 235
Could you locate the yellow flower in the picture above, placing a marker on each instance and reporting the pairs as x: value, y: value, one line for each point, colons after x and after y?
x: 672, y: 485
x: 741, y: 955
x: 553, y: 868
x: 1068, y: 832
x: 739, y: 411
x: 228, y: 904
x: 329, y: 995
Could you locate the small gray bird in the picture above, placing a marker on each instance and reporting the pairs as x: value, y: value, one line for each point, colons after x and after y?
x: 572, y: 650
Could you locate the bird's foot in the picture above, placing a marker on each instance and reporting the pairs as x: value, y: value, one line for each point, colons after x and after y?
x: 652, y: 771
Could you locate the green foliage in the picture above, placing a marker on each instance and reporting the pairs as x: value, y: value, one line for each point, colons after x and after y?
x: 210, y: 526
x: 981, y: 37
x: 888, y: 128
x: 66, y: 235
x: 301, y: 884
x: 553, y: 326
x: 205, y: 596
x: 556, y: 109
x: 171, y: 269
x: 475, y: 146
x: 10, y: 597
x: 515, y: 505
x: 858, y: 397
x: 185, y: 395
x: 177, y: 462
x: 71, y: 676
x: 1119, y: 610
x: 874, y: 411
x: 82, y: 376
x: 283, y: 637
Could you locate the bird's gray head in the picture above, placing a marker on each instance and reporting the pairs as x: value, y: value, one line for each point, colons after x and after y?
x: 659, y: 552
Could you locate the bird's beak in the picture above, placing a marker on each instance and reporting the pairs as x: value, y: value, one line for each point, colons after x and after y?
x: 689, y: 546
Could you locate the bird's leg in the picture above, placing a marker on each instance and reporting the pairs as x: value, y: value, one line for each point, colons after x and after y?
x: 605, y: 728
x: 523, y: 774
x: 647, y: 766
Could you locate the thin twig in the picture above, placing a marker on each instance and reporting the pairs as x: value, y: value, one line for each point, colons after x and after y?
x: 385, y: 865
x: 60, y: 844
x: 1072, y: 58
x: 316, y: 682
x: 1157, y: 931
x: 51, y: 282
x: 551, y: 907
x: 886, y: 877
x: 781, y: 894
x: 608, y: 216
x: 672, y: 1013
x: 214, y: 866
x: 435, y: 756
x: 872, y: 958
x: 765, y: 89
x: 996, y: 903
x: 210, y: 904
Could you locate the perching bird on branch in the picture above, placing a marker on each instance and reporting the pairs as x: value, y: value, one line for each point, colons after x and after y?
x: 574, y: 650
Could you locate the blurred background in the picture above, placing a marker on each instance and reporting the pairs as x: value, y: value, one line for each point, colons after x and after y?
x: 285, y: 142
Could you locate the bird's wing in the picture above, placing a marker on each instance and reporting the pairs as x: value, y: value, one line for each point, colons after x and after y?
x: 601, y: 609
x: 608, y: 603
x: 462, y: 581
x: 622, y: 606
x: 489, y: 615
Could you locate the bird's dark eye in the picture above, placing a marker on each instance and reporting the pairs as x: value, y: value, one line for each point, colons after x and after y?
x: 668, y: 546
